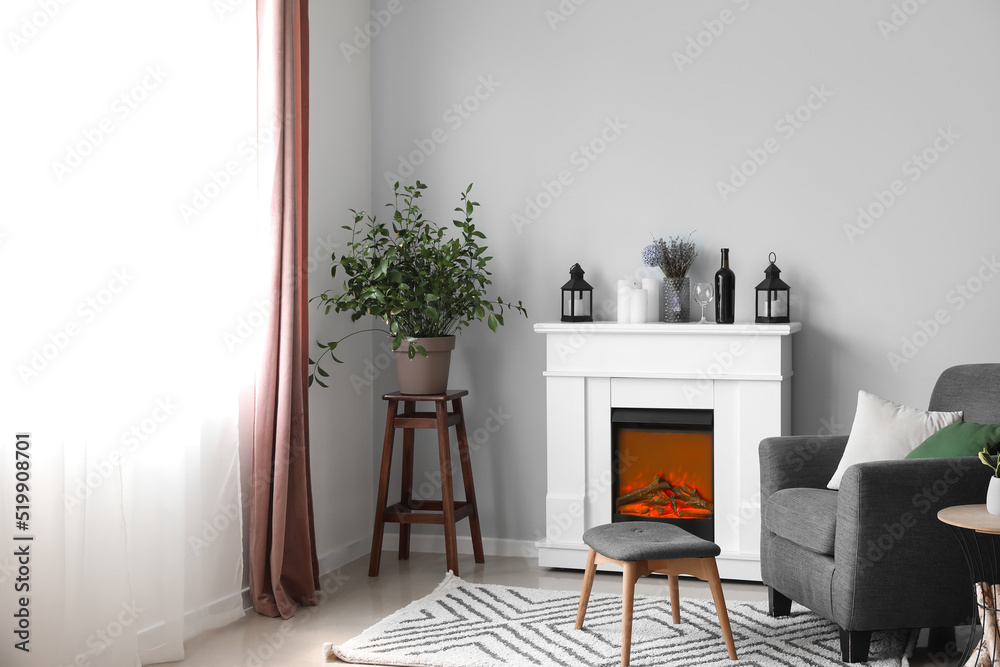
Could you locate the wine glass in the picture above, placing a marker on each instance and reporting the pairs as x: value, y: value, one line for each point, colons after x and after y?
x: 703, y: 293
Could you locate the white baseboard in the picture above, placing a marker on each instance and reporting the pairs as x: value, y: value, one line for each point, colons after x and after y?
x: 492, y: 546
x: 329, y: 562
x: 343, y: 555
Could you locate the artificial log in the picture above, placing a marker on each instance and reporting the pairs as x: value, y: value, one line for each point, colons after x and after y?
x: 985, y: 655
x: 680, y: 511
x: 653, y: 508
x: 645, y: 493
x: 681, y: 493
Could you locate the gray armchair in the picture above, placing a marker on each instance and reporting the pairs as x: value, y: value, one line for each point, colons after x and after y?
x: 873, y: 556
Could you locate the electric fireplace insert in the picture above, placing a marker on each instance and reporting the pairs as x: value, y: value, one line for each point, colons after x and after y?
x: 662, y: 464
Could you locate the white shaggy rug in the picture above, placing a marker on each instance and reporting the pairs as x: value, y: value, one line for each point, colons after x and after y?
x: 480, y: 625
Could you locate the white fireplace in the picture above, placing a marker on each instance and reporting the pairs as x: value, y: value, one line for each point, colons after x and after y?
x: 741, y: 372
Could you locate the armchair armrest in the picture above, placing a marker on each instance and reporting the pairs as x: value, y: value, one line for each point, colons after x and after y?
x: 890, y: 544
x: 800, y: 461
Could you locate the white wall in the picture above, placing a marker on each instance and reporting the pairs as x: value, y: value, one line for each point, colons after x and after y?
x: 340, y: 163
x: 559, y: 85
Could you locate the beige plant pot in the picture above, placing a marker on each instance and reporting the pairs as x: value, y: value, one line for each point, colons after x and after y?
x: 425, y: 375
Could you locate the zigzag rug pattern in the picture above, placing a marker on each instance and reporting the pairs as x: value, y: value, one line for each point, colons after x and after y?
x: 481, y: 625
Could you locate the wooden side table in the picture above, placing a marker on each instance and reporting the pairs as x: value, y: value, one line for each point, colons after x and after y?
x: 978, y: 533
x: 408, y: 511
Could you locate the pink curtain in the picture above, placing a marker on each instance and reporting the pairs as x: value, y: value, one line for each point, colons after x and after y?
x: 283, y: 568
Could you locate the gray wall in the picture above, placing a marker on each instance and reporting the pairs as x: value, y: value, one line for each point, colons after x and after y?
x: 672, y: 131
x: 340, y: 163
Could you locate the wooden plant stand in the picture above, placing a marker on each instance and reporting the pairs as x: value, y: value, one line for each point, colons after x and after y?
x: 408, y: 510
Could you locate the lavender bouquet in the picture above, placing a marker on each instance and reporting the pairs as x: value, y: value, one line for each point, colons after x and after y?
x: 674, y: 257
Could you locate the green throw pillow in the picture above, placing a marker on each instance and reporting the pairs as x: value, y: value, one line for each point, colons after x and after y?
x: 960, y: 439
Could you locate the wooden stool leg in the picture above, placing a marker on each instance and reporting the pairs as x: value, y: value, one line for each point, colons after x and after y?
x: 406, y: 493
x: 630, y: 576
x: 712, y: 570
x: 447, y: 493
x: 675, y: 598
x: 383, y: 491
x: 470, y: 487
x: 588, y: 585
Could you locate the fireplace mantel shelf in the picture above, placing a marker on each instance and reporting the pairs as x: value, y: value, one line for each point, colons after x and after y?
x: 742, y: 372
x: 668, y: 328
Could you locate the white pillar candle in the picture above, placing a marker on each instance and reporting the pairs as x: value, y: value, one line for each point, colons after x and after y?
x: 578, y: 306
x: 778, y: 308
x: 652, y: 287
x: 624, y: 301
x: 638, y: 309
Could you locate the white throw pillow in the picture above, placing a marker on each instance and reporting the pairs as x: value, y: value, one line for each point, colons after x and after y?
x: 885, y: 431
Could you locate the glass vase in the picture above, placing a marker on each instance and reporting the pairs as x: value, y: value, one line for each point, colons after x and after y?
x: 677, y: 299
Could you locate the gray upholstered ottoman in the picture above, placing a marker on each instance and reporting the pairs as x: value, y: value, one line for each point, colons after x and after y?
x: 644, y: 547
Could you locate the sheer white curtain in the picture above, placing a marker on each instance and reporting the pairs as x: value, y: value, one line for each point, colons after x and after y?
x: 130, y: 312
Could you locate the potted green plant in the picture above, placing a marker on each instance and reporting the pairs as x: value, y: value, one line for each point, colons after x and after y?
x: 993, y: 492
x: 424, y: 284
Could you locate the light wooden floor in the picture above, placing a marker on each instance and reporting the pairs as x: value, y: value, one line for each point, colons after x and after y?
x: 357, y: 601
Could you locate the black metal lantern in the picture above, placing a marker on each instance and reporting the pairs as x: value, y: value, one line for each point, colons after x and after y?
x: 772, y: 296
x: 577, y: 298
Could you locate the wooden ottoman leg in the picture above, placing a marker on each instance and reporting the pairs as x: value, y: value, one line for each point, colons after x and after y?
x: 675, y: 598
x: 712, y: 570
x: 631, y: 575
x: 588, y: 585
